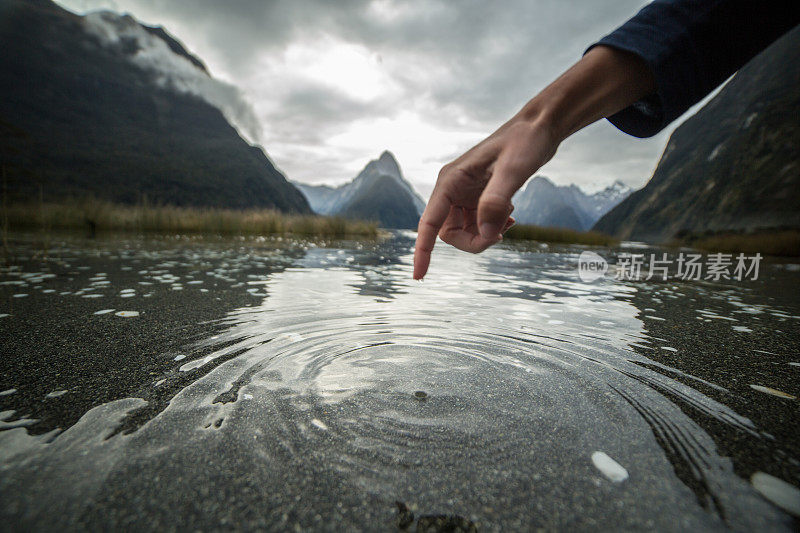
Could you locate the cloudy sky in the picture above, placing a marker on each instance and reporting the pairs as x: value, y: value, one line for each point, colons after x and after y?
x: 334, y: 83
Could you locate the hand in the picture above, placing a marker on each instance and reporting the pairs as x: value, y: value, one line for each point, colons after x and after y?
x: 471, y: 202
x: 470, y: 206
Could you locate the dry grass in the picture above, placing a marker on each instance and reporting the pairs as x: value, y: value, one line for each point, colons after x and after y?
x: 99, y: 216
x: 779, y: 243
x: 558, y: 235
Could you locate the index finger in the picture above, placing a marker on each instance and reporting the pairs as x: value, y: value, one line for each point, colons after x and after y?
x: 430, y: 223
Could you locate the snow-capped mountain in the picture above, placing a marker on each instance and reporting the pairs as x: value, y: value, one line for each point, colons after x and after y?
x: 379, y: 192
x: 543, y: 203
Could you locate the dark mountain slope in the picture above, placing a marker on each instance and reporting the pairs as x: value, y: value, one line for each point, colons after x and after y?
x: 79, y: 117
x: 379, y: 193
x: 385, y: 201
x: 734, y: 165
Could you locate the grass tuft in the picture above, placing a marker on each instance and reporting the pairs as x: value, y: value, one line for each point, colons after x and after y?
x: 784, y: 243
x: 96, y: 215
x: 558, y: 235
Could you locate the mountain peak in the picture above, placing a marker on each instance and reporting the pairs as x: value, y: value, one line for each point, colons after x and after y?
x: 341, y: 199
x: 385, y: 164
x: 544, y: 203
x: 618, y: 186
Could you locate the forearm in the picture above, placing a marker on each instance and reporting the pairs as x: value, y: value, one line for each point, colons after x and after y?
x: 692, y: 46
x: 603, y: 82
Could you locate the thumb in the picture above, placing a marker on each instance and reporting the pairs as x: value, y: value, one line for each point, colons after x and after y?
x: 494, y: 205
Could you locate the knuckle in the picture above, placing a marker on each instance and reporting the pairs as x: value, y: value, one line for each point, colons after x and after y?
x: 457, y: 173
x: 445, y: 171
x: 494, y: 202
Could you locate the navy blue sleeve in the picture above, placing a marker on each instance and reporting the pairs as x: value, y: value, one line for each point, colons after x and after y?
x: 692, y: 46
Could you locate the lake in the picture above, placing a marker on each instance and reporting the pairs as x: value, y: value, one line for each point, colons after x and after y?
x: 186, y: 383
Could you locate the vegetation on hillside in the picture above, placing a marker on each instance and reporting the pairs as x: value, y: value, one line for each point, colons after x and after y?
x: 79, y: 117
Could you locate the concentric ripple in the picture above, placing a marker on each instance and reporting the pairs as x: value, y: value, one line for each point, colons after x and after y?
x: 314, y: 404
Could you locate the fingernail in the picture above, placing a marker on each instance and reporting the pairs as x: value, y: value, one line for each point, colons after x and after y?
x: 489, y: 230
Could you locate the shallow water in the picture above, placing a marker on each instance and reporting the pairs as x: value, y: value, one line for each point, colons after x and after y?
x: 189, y: 384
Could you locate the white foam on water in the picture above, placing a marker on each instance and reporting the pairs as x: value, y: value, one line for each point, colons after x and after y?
x: 55, y: 394
x: 179, y: 357
x: 669, y: 348
x: 609, y: 467
x: 20, y: 295
x: 3, y: 315
x: 92, y: 296
x: 742, y: 329
x: 127, y: 314
x: 319, y: 424
x: 8, y: 392
x: 293, y: 337
x: 777, y: 491
x: 103, y: 311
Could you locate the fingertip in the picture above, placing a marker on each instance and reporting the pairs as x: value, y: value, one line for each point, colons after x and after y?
x: 421, y: 264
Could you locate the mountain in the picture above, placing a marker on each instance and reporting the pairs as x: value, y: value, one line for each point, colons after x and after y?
x: 733, y: 166
x: 543, y: 203
x: 379, y: 192
x: 103, y: 106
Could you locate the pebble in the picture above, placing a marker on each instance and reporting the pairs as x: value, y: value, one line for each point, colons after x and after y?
x: 609, y: 467
x: 774, y: 392
x: 777, y: 491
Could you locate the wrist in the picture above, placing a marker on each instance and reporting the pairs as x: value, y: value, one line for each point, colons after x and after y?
x: 603, y: 82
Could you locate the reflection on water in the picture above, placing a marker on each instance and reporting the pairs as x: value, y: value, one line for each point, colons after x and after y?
x: 502, y: 389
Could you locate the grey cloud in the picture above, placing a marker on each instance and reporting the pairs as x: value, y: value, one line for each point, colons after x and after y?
x: 468, y: 61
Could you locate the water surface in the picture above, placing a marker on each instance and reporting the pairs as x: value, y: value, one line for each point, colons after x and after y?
x: 199, y: 384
